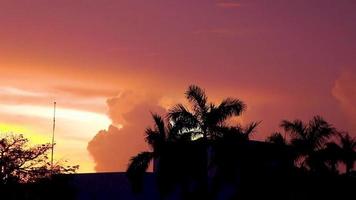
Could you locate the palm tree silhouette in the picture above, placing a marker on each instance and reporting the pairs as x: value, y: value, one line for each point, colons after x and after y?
x: 237, y: 132
x: 277, y: 138
x: 308, y: 139
x: 330, y: 155
x: 188, y: 137
x: 226, y: 155
x: 156, y: 137
x: 208, y: 123
x: 206, y: 119
x: 348, y: 151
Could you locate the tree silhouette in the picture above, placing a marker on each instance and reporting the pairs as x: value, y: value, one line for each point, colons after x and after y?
x: 347, y: 146
x: 237, y: 132
x: 277, y: 138
x: 226, y: 155
x: 22, y: 163
x: 341, y: 149
x: 187, y: 137
x: 315, y: 145
x: 206, y: 119
x: 308, y: 139
x: 156, y: 137
x: 198, y: 149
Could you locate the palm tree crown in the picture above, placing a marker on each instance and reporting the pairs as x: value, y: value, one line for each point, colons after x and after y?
x: 308, y: 138
x: 203, y: 120
x: 206, y: 119
x: 347, y: 150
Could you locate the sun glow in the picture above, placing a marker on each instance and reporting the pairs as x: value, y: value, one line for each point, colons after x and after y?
x: 20, y: 92
x: 74, y: 128
x: 35, y: 138
x: 47, y: 112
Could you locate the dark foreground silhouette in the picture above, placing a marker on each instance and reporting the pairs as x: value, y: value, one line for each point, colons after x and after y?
x: 198, y: 152
x: 257, y: 170
x: 243, y: 170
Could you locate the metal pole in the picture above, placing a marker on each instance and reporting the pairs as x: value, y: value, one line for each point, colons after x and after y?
x: 54, y: 128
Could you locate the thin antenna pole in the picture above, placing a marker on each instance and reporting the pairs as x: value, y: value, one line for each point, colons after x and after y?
x: 54, y: 128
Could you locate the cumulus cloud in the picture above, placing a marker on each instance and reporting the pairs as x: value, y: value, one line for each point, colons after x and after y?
x: 121, y: 105
x: 112, y: 148
x: 344, y: 91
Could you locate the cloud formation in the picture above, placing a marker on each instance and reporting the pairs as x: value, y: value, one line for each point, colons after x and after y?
x: 344, y: 91
x: 112, y: 148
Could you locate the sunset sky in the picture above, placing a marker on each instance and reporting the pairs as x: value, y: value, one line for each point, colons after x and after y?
x: 109, y: 63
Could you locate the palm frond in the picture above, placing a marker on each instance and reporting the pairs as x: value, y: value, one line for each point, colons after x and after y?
x: 347, y: 142
x: 251, y: 128
x: 237, y: 133
x: 140, y: 162
x: 180, y: 114
x: 198, y: 98
x: 228, y: 107
x: 229, y: 132
x: 137, y: 167
x: 159, y: 124
x: 296, y: 128
x: 320, y: 131
x: 277, y: 138
x: 180, y: 130
x: 152, y: 136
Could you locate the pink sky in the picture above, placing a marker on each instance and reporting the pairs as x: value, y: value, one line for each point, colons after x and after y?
x: 112, y: 62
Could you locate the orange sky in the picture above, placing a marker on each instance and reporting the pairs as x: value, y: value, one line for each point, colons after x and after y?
x: 112, y: 62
